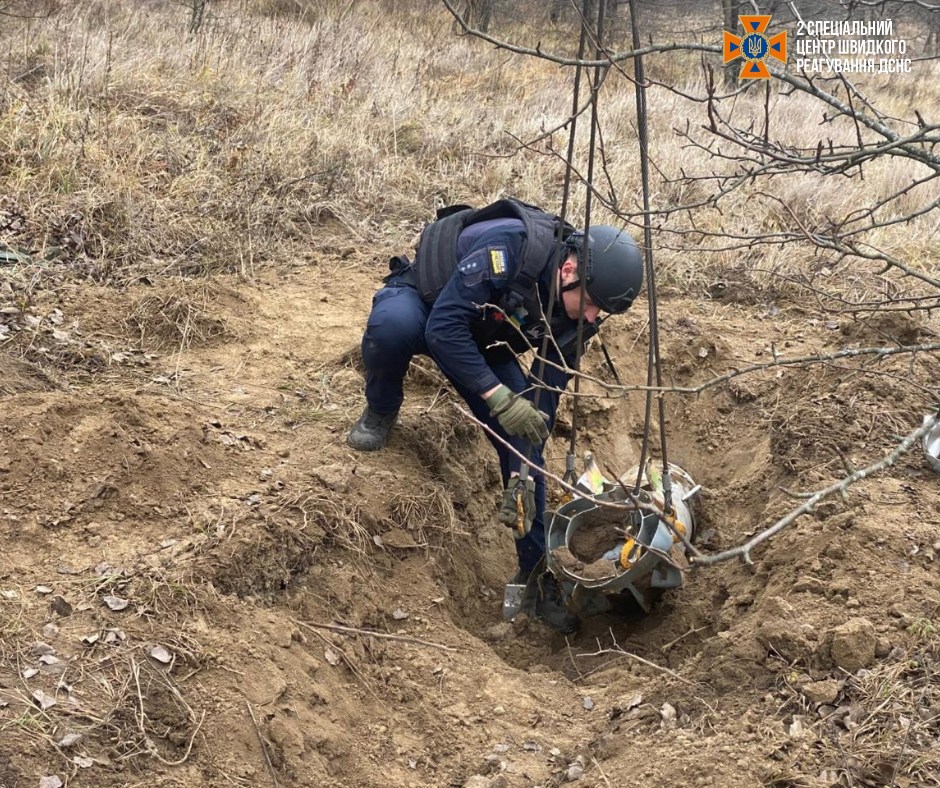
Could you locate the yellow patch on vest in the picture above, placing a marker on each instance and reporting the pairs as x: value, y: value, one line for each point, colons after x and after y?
x: 497, y: 262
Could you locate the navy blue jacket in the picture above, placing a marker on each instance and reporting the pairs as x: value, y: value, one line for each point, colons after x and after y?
x: 459, y: 328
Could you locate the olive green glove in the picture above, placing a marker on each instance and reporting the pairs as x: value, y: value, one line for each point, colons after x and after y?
x: 518, y: 416
x: 518, y: 506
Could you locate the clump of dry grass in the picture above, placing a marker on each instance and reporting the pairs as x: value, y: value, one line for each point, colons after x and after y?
x: 336, y: 517
x: 428, y: 512
x: 19, y: 375
x: 179, y: 316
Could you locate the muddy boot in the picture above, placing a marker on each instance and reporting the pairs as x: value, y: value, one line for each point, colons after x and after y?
x: 550, y: 606
x: 370, y: 433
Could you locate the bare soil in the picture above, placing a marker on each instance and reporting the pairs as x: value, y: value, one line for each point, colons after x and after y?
x: 193, y: 560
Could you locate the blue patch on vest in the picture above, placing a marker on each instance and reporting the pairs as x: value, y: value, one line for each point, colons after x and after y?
x: 474, y: 267
x: 472, y: 263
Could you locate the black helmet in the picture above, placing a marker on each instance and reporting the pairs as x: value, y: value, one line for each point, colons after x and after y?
x: 614, y: 266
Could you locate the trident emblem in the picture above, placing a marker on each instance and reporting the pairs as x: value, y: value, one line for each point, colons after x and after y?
x: 755, y: 47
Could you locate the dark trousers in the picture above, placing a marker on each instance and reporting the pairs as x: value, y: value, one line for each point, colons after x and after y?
x: 394, y: 334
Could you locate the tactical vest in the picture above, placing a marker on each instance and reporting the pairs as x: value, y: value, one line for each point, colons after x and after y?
x: 436, y: 255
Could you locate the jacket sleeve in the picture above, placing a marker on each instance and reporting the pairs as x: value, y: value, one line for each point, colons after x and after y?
x: 449, y: 336
x: 481, y: 276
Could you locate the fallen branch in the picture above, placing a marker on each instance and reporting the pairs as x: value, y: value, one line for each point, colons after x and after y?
x: 744, y: 551
x: 373, y: 633
x: 620, y: 652
x: 264, y: 749
x: 673, y: 642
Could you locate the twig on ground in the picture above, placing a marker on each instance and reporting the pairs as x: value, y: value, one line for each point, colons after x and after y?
x: 620, y: 652
x: 673, y: 642
x: 373, y: 633
x: 264, y: 748
x: 149, y: 747
x: 603, y: 776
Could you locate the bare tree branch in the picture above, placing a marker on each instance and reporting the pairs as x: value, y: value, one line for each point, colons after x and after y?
x: 744, y: 551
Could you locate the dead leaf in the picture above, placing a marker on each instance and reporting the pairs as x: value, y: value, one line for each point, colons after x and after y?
x: 39, y: 649
x: 668, y: 713
x: 399, y: 615
x: 83, y: 761
x: 399, y: 539
x: 332, y: 657
x: 48, y: 659
x: 588, y: 702
x: 160, y: 654
x: 69, y: 740
x: 635, y: 701
x: 575, y: 772
x: 43, y: 590
x: 28, y: 673
x: 45, y: 701
x: 115, y: 603
x: 90, y: 640
x: 52, y: 781
x: 9, y: 594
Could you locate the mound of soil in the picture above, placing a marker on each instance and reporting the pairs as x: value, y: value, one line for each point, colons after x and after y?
x: 201, y: 584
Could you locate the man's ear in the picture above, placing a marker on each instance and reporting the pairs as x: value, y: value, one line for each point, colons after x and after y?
x: 570, y: 266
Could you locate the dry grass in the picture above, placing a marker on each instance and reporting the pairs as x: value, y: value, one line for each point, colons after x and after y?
x: 18, y: 375
x: 334, y: 516
x: 128, y: 149
x: 180, y: 316
x: 104, y: 695
x: 428, y: 513
x: 882, y: 729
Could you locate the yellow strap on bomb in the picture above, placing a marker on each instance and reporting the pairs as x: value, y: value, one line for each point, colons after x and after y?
x: 677, y: 526
x: 625, y: 552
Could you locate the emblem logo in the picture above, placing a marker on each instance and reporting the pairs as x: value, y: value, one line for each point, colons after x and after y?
x: 755, y: 47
